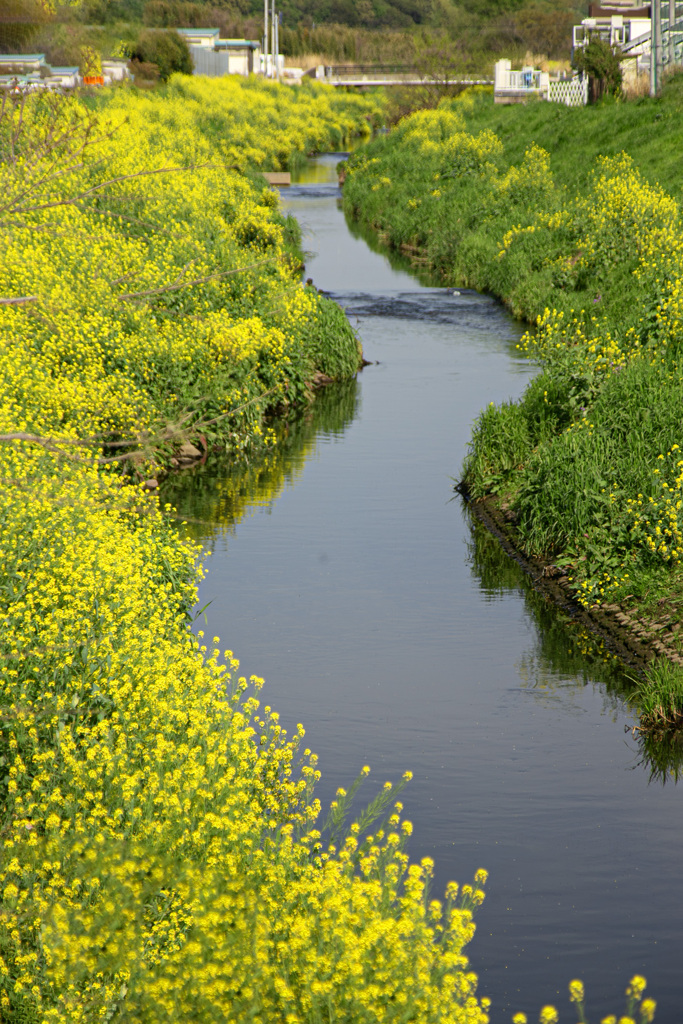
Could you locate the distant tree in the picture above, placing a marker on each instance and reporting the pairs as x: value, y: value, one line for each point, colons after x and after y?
x: 90, y: 62
x: 440, y: 66
x: 602, y: 63
x: 165, y: 49
x: 189, y: 14
x: 19, y: 22
x: 545, y: 28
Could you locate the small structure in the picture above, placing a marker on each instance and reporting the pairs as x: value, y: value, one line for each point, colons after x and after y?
x: 244, y: 55
x: 204, y: 37
x: 518, y: 86
x: 214, y: 56
x: 28, y: 72
x: 21, y: 63
x: 114, y: 70
x: 63, y: 78
x: 21, y: 83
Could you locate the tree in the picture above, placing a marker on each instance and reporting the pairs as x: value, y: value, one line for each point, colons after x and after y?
x: 602, y: 63
x: 19, y: 21
x: 164, y: 48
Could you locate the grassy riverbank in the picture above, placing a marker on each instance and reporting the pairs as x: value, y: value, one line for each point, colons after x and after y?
x: 162, y: 857
x: 585, y: 244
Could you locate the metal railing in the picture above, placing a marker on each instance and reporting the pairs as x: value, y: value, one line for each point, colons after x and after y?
x: 521, y: 81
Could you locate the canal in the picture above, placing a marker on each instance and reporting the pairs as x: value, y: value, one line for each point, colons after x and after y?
x: 346, y: 572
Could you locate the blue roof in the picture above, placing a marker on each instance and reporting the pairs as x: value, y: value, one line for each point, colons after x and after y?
x: 64, y: 71
x: 237, y: 44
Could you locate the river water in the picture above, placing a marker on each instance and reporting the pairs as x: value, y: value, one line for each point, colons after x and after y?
x: 346, y: 573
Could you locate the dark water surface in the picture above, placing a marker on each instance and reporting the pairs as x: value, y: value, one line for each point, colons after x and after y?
x: 398, y: 632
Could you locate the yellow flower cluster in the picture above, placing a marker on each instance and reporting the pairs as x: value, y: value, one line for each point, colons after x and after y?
x: 657, y: 520
x: 622, y: 210
x: 161, y: 858
x: 160, y: 281
x: 246, y: 122
x: 634, y: 1001
x: 443, y: 132
x: 533, y: 178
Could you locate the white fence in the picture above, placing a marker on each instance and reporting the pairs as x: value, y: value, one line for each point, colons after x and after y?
x: 573, y: 92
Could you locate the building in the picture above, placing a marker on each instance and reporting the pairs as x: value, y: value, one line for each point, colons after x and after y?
x: 28, y: 72
x: 63, y: 78
x: 21, y: 63
x: 511, y: 86
x: 623, y: 25
x: 518, y: 86
x: 244, y: 55
x: 204, y: 37
x: 114, y: 70
x: 214, y: 56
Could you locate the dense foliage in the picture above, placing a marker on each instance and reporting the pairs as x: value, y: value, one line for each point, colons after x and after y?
x: 601, y: 62
x: 166, y: 49
x: 588, y: 462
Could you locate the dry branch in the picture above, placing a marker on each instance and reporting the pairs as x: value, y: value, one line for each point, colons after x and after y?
x: 197, y: 280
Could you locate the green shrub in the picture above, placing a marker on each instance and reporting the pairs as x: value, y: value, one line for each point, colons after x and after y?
x: 166, y: 49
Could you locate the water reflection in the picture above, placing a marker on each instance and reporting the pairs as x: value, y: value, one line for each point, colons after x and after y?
x: 215, y: 496
x: 565, y: 654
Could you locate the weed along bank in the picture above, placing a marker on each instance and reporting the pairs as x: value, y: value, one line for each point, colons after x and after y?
x: 165, y: 854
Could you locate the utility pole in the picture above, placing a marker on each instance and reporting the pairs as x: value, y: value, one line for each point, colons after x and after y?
x: 670, y: 54
x: 277, y: 46
x: 265, y: 38
x: 273, y: 29
x: 655, y: 47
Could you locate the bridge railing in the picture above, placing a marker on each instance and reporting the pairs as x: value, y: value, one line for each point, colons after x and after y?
x: 370, y: 69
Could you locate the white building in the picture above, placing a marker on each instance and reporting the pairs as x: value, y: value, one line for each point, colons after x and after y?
x: 21, y: 63
x: 518, y: 86
x: 114, y: 70
x: 63, y: 78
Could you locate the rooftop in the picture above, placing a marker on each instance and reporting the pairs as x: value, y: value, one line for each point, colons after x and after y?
x: 208, y: 32
x: 237, y: 44
x: 21, y: 58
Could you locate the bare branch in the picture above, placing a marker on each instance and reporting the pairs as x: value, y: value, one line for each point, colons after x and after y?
x: 113, y: 181
x: 19, y: 301
x: 197, y: 280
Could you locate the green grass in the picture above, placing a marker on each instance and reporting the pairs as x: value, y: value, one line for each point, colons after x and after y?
x: 659, y: 696
x: 520, y: 202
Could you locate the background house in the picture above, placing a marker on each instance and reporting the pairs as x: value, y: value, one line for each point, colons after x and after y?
x: 214, y: 56
x: 624, y: 25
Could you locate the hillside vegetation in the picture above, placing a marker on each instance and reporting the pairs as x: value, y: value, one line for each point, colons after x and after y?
x: 571, y: 217
x: 463, y: 37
